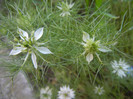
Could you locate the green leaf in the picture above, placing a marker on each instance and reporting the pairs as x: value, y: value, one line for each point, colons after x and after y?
x: 98, y: 3
x: 87, y: 2
x: 110, y: 15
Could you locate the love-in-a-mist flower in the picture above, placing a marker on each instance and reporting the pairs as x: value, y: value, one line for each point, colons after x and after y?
x: 66, y: 93
x: 92, y: 47
x: 120, y: 68
x: 45, y: 93
x: 30, y: 45
x: 65, y: 8
x: 99, y: 90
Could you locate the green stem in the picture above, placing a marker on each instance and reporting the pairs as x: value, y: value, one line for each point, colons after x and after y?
x: 97, y: 74
x: 22, y: 65
x: 99, y: 58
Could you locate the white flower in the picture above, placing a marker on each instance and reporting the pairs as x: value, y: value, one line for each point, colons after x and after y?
x: 120, y: 68
x: 66, y: 93
x: 65, y: 7
x: 45, y: 93
x: 99, y: 90
x: 29, y: 45
x: 91, y: 47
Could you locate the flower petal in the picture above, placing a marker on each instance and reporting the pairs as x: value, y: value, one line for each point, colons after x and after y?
x: 38, y: 33
x: 121, y: 73
x: 84, y: 44
x: 67, y: 13
x: 23, y: 34
x: 93, y: 38
x: 62, y: 14
x: 71, y: 5
x: 44, y: 50
x: 104, y: 49
x: 89, y: 58
x: 17, y: 50
x: 114, y: 71
x: 33, y: 57
x: 86, y: 36
x: 59, y: 7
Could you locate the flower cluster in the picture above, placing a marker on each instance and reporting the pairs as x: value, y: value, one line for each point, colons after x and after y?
x: 64, y: 93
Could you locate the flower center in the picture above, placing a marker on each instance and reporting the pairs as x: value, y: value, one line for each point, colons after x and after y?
x: 92, y: 46
x: 66, y: 95
x: 45, y: 95
x: 28, y: 44
x: 99, y: 90
x: 120, y: 67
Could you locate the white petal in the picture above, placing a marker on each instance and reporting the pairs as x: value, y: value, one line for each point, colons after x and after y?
x: 44, y: 50
x: 84, y: 44
x: 93, y: 38
x: 121, y: 73
x: 38, y: 33
x: 16, y: 50
x: 42, y: 91
x: 67, y: 13
x: 71, y: 5
x: 33, y: 57
x: 114, y: 71
x: 59, y: 7
x: 104, y: 49
x: 86, y: 36
x: 62, y: 14
x: 23, y: 34
x: 89, y: 57
x: 18, y: 44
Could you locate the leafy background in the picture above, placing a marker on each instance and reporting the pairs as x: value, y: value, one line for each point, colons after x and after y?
x: 110, y: 21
